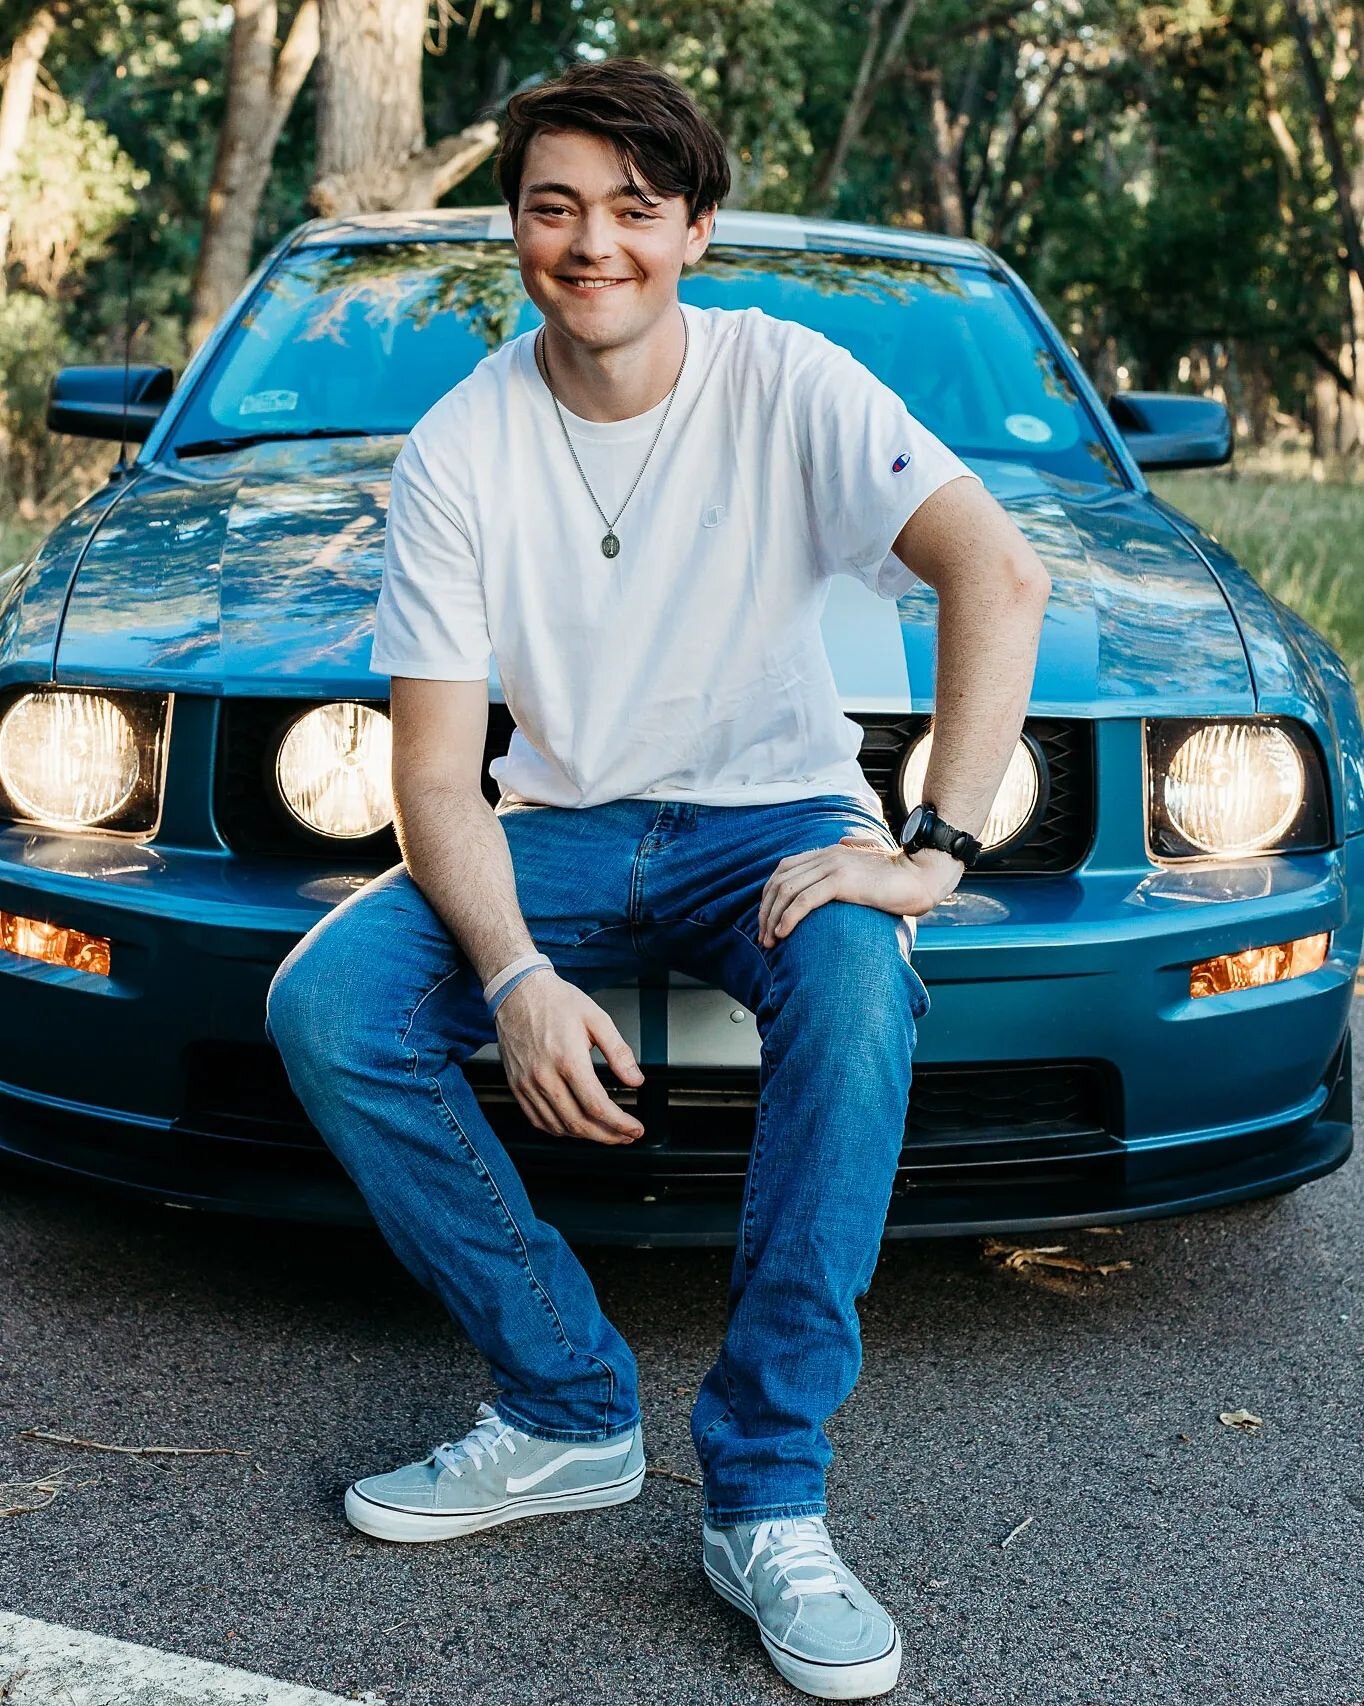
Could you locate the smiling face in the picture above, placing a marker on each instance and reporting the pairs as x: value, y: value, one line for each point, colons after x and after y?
x: 600, y: 257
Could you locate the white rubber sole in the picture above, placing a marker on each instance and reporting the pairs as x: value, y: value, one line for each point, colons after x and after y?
x: 389, y: 1522
x: 860, y: 1681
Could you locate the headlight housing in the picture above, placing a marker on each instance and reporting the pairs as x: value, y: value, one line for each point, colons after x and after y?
x: 1233, y: 787
x: 1019, y: 802
x: 74, y: 758
x: 334, y: 770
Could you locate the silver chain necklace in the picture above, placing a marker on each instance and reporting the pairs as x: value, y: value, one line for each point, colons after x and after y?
x: 610, y: 545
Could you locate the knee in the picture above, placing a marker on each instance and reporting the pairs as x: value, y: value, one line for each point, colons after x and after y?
x: 848, y: 958
x: 296, y: 1000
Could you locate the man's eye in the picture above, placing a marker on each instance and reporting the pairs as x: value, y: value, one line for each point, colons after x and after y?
x: 639, y: 213
x: 550, y: 210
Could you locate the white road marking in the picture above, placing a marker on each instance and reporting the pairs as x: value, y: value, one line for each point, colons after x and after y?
x: 45, y: 1664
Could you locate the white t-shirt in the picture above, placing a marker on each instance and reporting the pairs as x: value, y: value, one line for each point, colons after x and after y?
x: 692, y: 665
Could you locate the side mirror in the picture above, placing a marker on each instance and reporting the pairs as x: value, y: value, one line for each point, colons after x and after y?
x: 88, y: 401
x: 1166, y: 430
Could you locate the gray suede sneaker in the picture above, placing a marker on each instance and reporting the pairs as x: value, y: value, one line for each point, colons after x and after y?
x: 495, y: 1474
x: 822, y: 1629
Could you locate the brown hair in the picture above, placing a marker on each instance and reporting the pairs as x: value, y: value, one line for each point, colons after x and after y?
x: 652, y: 122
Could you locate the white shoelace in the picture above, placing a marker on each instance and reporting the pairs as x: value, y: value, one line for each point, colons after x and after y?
x: 799, y: 1543
x: 489, y: 1435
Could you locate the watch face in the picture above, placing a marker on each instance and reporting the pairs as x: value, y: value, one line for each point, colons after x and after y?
x: 911, y: 824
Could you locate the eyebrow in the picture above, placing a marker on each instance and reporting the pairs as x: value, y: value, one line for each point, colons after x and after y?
x: 568, y: 190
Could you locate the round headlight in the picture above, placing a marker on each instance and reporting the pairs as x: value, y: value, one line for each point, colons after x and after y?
x: 68, y: 759
x: 1234, y: 787
x: 334, y: 770
x: 1013, y: 804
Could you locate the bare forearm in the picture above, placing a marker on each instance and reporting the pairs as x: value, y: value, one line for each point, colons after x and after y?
x: 986, y: 659
x: 457, y: 854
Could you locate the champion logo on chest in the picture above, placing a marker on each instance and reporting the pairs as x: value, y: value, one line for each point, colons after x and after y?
x: 712, y: 515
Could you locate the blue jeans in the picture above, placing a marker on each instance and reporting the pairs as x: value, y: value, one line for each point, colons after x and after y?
x: 375, y: 1009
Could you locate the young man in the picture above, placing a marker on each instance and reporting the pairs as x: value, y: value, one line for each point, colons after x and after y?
x: 637, y: 508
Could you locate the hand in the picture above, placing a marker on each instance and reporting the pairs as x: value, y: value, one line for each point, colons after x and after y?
x: 545, y: 1031
x: 858, y: 868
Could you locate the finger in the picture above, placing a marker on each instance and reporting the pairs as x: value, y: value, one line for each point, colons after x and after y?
x: 813, y: 895
x: 614, y: 1046
x: 567, y: 1114
x: 797, y: 865
x: 538, y: 1108
x: 781, y: 901
x: 606, y: 1122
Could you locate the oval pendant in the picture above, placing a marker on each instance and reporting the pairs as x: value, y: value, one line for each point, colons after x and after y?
x: 610, y: 546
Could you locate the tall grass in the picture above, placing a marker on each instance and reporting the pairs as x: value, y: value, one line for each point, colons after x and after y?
x: 1303, y: 540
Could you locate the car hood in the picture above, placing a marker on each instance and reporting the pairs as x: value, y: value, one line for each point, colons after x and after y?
x: 257, y: 572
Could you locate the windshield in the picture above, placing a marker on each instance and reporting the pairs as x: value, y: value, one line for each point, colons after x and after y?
x: 364, y: 338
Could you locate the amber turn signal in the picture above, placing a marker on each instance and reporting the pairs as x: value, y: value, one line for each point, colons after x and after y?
x: 54, y: 943
x: 1256, y: 966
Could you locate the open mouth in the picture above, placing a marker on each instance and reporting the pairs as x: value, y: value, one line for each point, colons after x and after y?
x: 587, y: 285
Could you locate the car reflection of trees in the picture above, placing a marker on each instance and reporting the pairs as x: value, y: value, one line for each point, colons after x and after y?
x: 411, y: 284
x: 297, y: 535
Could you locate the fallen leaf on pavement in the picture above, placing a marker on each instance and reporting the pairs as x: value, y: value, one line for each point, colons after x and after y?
x: 1241, y: 1419
x: 1019, y: 1256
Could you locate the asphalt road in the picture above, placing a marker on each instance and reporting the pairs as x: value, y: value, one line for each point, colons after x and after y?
x: 1166, y: 1557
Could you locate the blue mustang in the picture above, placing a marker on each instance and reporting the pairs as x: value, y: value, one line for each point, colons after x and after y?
x: 1140, y: 995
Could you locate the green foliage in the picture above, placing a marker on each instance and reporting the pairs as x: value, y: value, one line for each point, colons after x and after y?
x: 1128, y: 158
x: 747, y: 64
x: 33, y: 345
x: 73, y: 187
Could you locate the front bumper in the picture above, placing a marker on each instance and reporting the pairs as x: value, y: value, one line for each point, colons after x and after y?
x: 1063, y: 1075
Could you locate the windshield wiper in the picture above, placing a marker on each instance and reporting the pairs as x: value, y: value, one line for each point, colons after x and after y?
x: 242, y: 440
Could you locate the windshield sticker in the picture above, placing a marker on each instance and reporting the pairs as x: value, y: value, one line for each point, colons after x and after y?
x: 267, y: 402
x: 980, y: 287
x: 1027, y: 427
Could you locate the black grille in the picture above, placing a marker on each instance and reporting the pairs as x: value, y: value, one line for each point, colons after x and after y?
x: 1064, y: 827
x: 252, y: 819
x: 968, y: 1120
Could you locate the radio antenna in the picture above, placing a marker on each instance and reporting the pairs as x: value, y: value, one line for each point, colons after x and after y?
x: 121, y: 466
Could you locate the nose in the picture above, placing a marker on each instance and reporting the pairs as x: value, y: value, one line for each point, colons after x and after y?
x: 593, y: 236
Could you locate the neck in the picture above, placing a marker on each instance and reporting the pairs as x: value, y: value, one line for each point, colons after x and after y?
x: 617, y: 383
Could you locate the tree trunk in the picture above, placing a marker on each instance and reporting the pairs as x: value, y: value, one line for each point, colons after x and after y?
x: 949, y: 131
x: 16, y: 109
x: 260, y: 95
x: 371, y: 136
x: 858, y: 107
x: 1324, y: 119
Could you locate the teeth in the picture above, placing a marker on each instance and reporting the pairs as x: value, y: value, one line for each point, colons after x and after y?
x: 593, y: 283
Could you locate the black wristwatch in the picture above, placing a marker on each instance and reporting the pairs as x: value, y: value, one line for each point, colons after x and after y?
x: 924, y: 828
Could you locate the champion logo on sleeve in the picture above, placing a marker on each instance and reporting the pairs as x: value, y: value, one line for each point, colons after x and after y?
x: 901, y: 462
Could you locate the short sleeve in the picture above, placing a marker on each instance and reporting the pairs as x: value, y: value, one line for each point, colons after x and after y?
x: 431, y: 619
x: 867, y: 463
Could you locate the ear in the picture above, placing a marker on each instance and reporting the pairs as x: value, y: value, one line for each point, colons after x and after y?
x: 698, y: 236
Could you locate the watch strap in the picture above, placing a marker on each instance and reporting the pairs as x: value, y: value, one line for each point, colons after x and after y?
x: 934, y: 831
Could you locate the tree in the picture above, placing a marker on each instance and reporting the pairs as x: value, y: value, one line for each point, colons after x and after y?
x: 372, y: 152
x: 16, y: 109
x: 261, y: 89
x: 1337, y: 417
